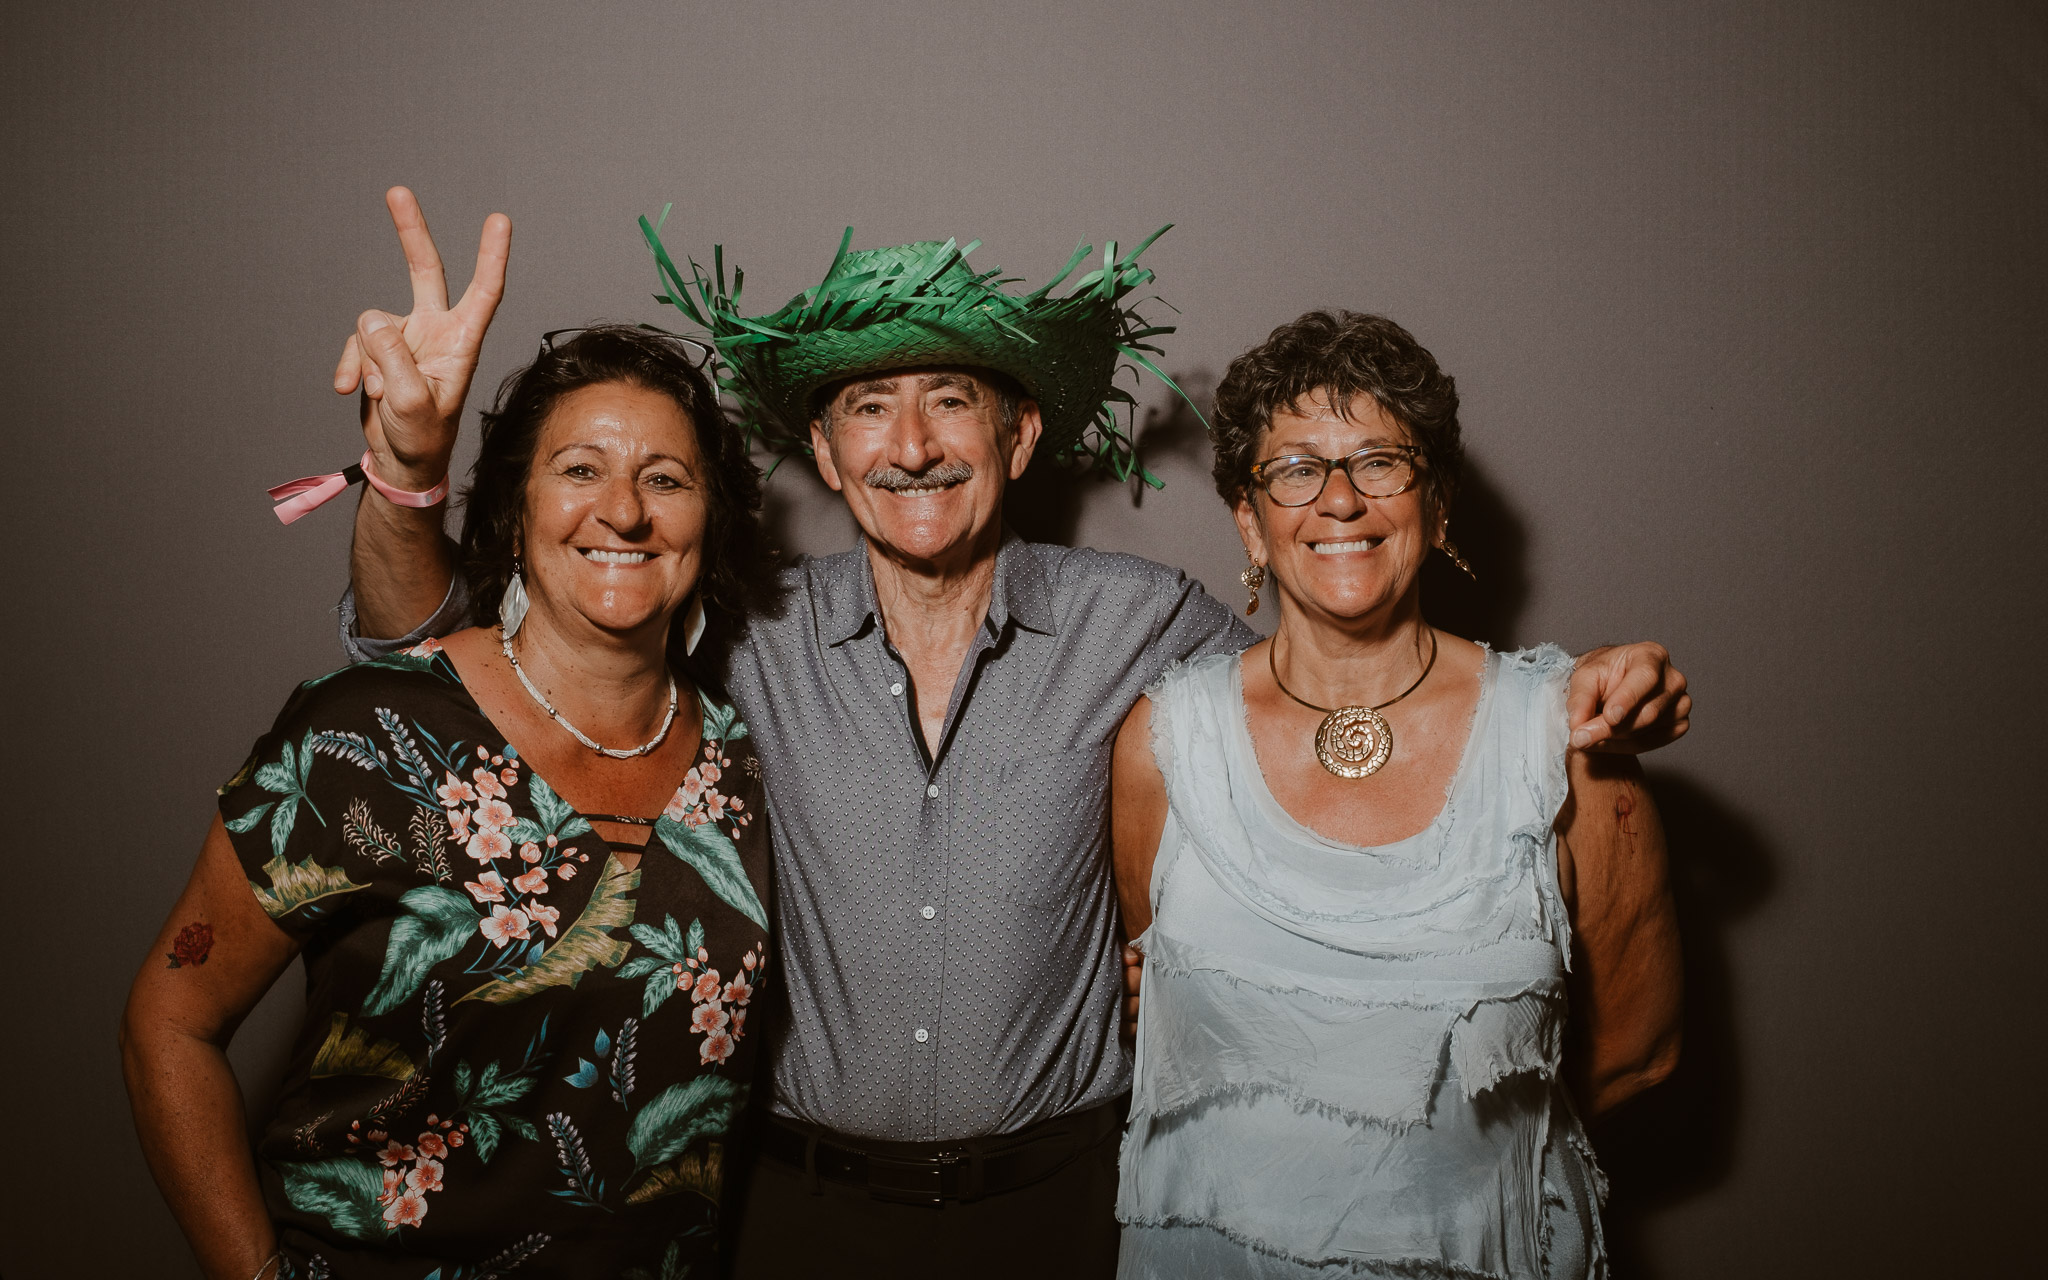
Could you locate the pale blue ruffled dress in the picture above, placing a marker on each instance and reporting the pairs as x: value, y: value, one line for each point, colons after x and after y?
x: 1348, y: 1058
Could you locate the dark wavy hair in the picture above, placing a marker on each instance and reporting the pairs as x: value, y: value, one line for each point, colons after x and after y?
x: 735, y: 558
x: 1342, y: 354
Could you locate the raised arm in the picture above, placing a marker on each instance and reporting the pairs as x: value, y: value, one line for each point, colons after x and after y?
x: 1626, y: 982
x: 215, y: 957
x: 413, y: 374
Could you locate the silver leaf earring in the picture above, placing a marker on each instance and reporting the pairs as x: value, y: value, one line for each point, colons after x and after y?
x: 512, y: 609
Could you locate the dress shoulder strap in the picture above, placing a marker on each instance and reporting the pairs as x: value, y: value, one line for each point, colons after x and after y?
x: 1529, y: 743
x: 1530, y: 730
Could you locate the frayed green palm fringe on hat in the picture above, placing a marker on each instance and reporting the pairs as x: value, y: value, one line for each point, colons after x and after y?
x: 920, y: 305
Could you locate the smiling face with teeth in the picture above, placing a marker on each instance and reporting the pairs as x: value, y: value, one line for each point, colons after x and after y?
x: 612, y: 531
x: 922, y: 457
x: 1343, y: 557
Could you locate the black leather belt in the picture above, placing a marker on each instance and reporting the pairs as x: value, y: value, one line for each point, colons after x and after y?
x: 934, y: 1172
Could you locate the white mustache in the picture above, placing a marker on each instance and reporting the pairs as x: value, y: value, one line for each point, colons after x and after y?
x: 896, y: 479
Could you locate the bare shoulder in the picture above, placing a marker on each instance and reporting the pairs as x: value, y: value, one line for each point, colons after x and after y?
x: 1457, y: 655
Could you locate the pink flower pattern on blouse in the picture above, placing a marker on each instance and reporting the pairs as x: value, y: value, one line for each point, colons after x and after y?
x: 504, y: 925
x: 699, y: 801
x: 718, y: 1010
x: 404, y: 1194
x: 481, y: 819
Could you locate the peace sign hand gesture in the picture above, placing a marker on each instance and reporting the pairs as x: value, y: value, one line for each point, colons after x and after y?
x: 414, y: 370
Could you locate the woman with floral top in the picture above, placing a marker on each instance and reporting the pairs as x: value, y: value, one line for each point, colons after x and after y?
x: 524, y: 866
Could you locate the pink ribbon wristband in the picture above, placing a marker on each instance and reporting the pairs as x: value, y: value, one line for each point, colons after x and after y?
x: 294, y: 498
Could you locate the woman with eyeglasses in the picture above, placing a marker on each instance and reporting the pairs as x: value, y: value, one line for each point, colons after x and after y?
x: 1369, y: 876
x: 524, y: 864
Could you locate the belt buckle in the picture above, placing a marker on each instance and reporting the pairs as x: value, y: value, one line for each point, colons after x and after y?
x: 910, y: 1181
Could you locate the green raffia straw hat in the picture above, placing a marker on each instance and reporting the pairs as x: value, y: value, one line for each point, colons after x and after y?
x: 920, y: 304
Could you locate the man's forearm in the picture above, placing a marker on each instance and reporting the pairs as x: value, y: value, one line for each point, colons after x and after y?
x: 401, y: 563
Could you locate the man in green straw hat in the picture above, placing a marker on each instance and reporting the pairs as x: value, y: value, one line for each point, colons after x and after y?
x: 934, y: 711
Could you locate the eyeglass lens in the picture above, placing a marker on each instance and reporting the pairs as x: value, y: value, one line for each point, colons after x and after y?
x: 1298, y: 481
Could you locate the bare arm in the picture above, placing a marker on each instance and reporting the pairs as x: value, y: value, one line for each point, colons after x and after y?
x: 413, y: 372
x: 1137, y: 816
x: 174, y: 1037
x: 1626, y: 983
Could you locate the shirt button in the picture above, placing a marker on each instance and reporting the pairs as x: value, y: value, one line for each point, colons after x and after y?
x: 929, y: 912
x: 896, y: 690
x: 932, y: 791
x: 922, y: 1035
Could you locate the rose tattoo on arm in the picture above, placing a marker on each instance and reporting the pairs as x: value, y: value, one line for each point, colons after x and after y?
x: 191, y: 945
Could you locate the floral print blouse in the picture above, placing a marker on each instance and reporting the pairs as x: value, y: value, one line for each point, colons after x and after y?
x: 519, y: 1057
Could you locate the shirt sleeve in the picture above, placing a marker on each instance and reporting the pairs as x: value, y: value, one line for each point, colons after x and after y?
x: 1195, y: 624
x: 312, y: 819
x: 449, y: 617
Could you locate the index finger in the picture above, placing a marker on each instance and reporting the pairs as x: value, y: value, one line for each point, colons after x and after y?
x: 1582, y: 696
x: 487, y: 286
x: 422, y: 259
x: 1638, y: 683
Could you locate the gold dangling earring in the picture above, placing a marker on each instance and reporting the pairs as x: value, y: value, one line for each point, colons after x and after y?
x: 1450, y: 549
x: 1253, y: 578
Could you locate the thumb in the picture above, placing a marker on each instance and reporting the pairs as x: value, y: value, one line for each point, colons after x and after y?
x: 1584, y: 695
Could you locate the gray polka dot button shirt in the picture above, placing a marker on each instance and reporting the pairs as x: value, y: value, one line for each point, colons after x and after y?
x: 947, y: 926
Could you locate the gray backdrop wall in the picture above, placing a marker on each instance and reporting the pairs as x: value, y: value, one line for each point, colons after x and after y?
x: 1747, y: 301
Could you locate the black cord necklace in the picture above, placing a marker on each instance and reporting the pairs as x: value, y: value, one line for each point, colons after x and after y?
x: 1353, y: 742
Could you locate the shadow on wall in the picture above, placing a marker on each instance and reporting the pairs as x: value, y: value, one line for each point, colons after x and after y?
x: 779, y: 506
x: 1678, y: 1140
x: 1045, y: 503
x: 1490, y: 536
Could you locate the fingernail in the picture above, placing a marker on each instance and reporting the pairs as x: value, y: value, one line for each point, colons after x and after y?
x: 1580, y: 737
x: 376, y: 322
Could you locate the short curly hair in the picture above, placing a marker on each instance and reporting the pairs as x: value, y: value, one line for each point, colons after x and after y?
x: 1342, y: 354
x: 735, y: 559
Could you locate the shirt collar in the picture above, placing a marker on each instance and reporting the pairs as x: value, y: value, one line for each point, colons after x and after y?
x: 844, y: 591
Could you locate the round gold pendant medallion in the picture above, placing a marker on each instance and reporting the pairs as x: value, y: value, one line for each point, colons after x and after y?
x: 1353, y: 742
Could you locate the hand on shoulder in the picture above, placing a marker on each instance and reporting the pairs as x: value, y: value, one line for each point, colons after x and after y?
x: 1627, y: 698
